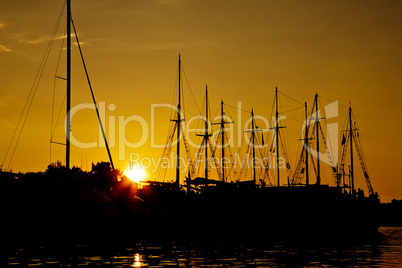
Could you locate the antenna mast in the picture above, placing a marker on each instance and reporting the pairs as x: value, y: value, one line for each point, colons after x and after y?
x: 352, y: 175
x: 277, y: 136
x: 223, y: 142
x: 68, y: 124
x: 206, y: 133
x: 306, y: 143
x: 253, y: 138
x: 178, y: 130
x: 317, y: 122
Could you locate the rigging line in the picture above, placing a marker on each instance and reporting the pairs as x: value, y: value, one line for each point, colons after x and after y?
x: 297, y: 120
x: 239, y: 152
x: 290, y: 98
x: 272, y: 121
x: 187, y: 111
x: 244, y: 163
x: 217, y: 114
x: 166, y: 151
x: 56, y: 76
x: 93, y: 96
x: 246, y: 111
x: 174, y: 98
x: 58, y: 116
x: 272, y: 110
x: 232, y: 169
x: 230, y: 115
x: 357, y: 138
x: 291, y: 110
x: 173, y: 112
x: 183, y: 102
x: 344, y: 106
x: 287, y: 146
x: 168, y: 147
x: 54, y: 96
x: 191, y: 91
x: 33, y: 90
x: 210, y: 114
x: 200, y: 126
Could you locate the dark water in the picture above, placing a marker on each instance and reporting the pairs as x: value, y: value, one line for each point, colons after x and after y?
x: 385, y: 250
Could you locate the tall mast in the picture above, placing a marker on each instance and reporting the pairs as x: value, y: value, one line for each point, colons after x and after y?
x: 277, y: 135
x: 253, y: 139
x: 352, y: 176
x: 306, y: 143
x: 206, y: 133
x: 223, y: 142
x: 68, y: 127
x: 317, y: 125
x: 206, y: 136
x: 178, y: 129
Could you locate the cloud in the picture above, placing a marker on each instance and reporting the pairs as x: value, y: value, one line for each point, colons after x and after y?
x: 36, y: 41
x: 45, y: 39
x: 4, y: 48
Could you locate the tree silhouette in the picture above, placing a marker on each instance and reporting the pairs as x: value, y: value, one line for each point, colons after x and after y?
x: 57, y: 170
x: 104, y: 177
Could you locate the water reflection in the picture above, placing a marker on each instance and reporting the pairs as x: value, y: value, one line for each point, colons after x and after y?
x: 137, y: 262
x: 383, y: 252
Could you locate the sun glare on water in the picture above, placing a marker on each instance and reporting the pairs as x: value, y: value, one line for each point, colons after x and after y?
x: 136, y: 174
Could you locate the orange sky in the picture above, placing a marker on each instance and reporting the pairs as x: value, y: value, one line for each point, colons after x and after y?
x: 344, y: 50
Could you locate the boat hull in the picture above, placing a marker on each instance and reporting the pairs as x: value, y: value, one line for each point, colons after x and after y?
x: 313, y: 211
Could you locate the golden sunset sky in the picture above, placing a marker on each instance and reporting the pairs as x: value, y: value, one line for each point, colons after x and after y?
x: 344, y: 50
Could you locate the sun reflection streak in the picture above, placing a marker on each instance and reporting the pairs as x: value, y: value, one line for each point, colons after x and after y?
x: 137, y: 262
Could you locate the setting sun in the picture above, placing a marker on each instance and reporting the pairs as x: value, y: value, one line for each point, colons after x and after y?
x: 136, y: 173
